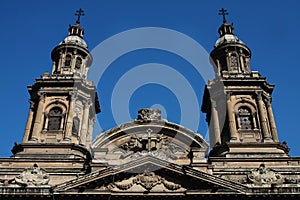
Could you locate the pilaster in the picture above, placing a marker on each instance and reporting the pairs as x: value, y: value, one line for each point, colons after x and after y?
x: 231, y: 121
x: 263, y: 118
x: 29, y: 121
x: 84, y: 129
x: 69, y: 124
x: 38, y: 117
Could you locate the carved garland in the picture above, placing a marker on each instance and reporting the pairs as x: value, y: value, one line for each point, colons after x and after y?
x: 147, y: 180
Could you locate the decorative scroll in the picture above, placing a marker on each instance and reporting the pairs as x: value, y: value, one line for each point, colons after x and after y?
x: 265, y: 176
x: 33, y: 176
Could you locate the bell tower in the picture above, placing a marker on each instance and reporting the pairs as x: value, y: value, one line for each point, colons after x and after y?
x: 238, y: 102
x: 63, y: 104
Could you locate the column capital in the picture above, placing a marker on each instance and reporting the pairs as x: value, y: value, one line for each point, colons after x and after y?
x: 42, y: 95
x: 213, y: 103
x: 259, y: 95
x: 268, y: 102
x: 93, y: 120
x: 73, y: 95
x: 228, y: 95
x: 31, y: 104
x: 87, y: 103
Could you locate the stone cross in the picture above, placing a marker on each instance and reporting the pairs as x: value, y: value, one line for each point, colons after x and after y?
x: 223, y: 12
x: 79, y: 13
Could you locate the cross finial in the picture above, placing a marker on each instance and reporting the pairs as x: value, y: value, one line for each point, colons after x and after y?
x: 223, y: 12
x: 79, y: 13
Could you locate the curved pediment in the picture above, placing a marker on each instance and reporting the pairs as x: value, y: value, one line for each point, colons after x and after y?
x: 149, y: 136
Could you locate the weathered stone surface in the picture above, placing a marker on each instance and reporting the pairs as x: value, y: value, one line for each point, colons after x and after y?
x: 148, y: 114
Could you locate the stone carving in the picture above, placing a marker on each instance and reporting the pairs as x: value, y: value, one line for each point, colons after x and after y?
x: 291, y: 180
x: 150, y: 144
x: 146, y: 142
x: 147, y: 180
x: 265, y: 176
x: 149, y: 114
x: 33, y: 176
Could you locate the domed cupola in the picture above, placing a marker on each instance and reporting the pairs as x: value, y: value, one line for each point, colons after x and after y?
x: 72, y: 57
x: 75, y: 36
x: 230, y: 56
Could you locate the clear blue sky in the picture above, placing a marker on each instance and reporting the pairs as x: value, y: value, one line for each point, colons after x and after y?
x: 31, y: 29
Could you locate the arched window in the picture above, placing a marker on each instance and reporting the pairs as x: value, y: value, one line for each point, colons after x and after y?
x: 234, y: 62
x: 245, y: 118
x: 54, y: 119
x: 78, y: 63
x: 68, y: 60
x: 75, y: 126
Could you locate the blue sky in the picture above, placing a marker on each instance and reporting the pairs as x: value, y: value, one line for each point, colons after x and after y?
x: 31, y: 29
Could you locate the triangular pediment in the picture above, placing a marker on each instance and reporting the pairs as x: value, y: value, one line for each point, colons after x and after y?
x: 149, y: 175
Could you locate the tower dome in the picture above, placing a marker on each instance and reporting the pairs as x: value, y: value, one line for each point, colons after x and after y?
x: 74, y: 40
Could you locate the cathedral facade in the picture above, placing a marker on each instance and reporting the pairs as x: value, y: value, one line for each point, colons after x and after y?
x: 150, y: 157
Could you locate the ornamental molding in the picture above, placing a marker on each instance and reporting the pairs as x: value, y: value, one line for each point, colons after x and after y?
x: 33, y: 176
x: 265, y: 176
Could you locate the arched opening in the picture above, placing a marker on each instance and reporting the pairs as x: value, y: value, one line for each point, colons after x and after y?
x: 75, y: 126
x: 245, y: 118
x: 68, y: 61
x: 78, y: 63
x: 55, y: 117
x: 234, y: 62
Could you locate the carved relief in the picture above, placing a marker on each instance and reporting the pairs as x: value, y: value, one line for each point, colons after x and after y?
x: 265, y: 176
x: 151, y: 144
x: 32, y: 177
x: 147, y: 180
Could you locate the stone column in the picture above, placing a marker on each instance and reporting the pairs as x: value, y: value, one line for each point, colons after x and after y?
x: 272, y: 121
x: 46, y: 121
x: 215, y: 120
x: 37, y: 127
x: 53, y: 67
x: 85, y: 119
x: 232, y: 127
x: 29, y: 122
x: 69, y: 124
x: 90, y: 131
x: 242, y: 62
x: 218, y: 67
x: 265, y: 132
